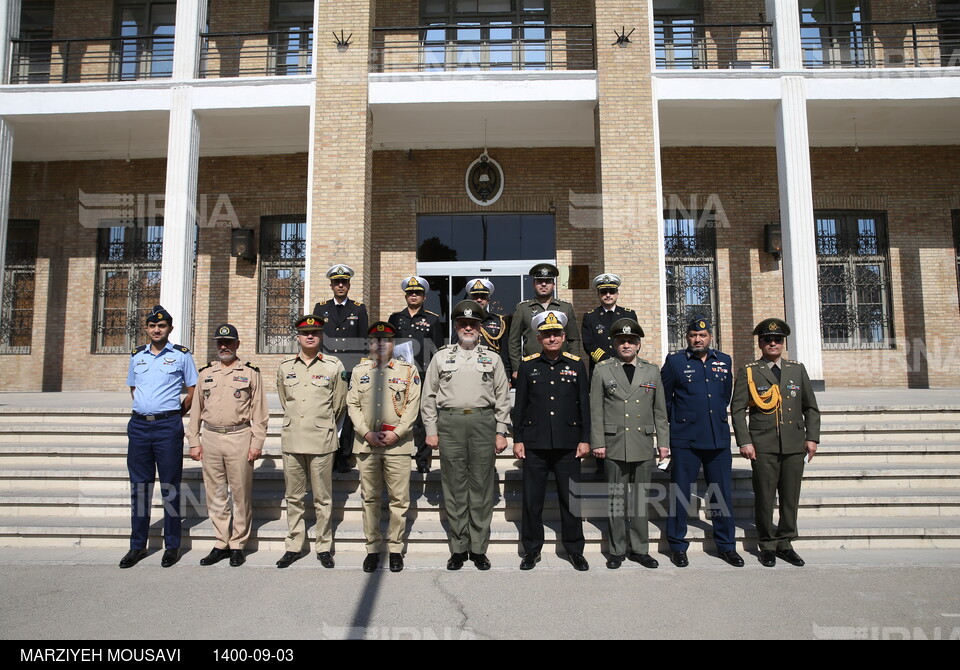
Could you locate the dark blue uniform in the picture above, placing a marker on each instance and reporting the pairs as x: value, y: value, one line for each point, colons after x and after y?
x: 697, y: 394
x: 596, y: 332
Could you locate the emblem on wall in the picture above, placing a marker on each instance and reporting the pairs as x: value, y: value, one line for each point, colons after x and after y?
x: 484, y: 180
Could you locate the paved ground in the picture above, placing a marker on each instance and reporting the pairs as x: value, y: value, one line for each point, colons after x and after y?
x: 82, y: 595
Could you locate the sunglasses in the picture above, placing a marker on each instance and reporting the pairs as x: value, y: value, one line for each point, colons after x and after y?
x: 772, y: 339
x: 608, y: 291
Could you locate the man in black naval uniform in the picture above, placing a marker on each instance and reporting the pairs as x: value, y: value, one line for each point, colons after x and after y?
x: 596, y: 323
x: 495, y: 328
x: 523, y: 337
x: 551, y: 432
x: 419, y: 326
x: 345, y: 328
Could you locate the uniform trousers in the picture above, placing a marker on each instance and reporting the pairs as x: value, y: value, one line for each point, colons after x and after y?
x: 537, y: 466
x: 298, y: 469
x: 155, y: 447
x: 684, y: 469
x: 226, y: 471
x: 467, y: 457
x: 376, y: 469
x: 628, y: 484
x: 777, y: 475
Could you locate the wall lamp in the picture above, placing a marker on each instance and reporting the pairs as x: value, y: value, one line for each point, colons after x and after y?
x: 623, y: 37
x: 342, y: 44
x: 241, y: 244
x: 773, y: 240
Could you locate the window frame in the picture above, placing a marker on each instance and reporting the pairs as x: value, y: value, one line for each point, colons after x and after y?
x: 18, y: 263
x: 273, y: 257
x: 701, y: 252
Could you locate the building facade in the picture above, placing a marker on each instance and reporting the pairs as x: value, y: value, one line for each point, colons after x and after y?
x: 794, y: 158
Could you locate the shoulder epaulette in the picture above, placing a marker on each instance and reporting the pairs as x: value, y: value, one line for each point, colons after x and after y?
x: 252, y: 366
x: 644, y: 361
x: 572, y: 356
x: 751, y: 365
x: 138, y: 350
x: 606, y: 361
x: 358, y: 303
x: 182, y: 349
x: 208, y: 365
x: 365, y: 360
x: 531, y: 357
x: 434, y: 313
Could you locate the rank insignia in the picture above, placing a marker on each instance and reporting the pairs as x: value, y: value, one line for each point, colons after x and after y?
x: 365, y: 379
x: 206, y: 393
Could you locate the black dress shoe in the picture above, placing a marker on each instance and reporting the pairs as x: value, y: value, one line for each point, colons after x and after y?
x: 371, y: 562
x: 646, y: 560
x: 456, y: 561
x: 423, y: 469
x: 530, y: 560
x: 579, y: 562
x: 396, y: 562
x: 237, y: 558
x: 791, y: 557
x: 679, y: 559
x: 480, y: 560
x: 170, y: 556
x: 614, y: 561
x: 288, y: 558
x: 132, y: 557
x: 215, y: 556
x: 768, y: 558
x: 325, y: 558
x: 732, y: 557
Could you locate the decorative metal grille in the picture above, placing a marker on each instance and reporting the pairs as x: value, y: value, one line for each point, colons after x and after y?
x: 283, y: 252
x: 854, y: 280
x: 19, y: 281
x: 690, y: 246
x: 956, y: 242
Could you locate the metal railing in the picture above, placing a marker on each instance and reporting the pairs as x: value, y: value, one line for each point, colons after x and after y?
x: 716, y: 46
x: 128, y: 58
x: 445, y: 47
x: 884, y: 44
x: 256, y: 54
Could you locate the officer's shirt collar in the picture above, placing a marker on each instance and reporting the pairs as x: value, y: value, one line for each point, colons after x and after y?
x: 711, y: 353
x: 167, y: 347
x: 308, y: 363
x: 341, y: 304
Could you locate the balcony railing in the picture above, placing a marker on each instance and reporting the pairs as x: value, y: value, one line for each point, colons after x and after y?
x: 883, y: 44
x: 447, y: 47
x: 271, y: 53
x: 714, y: 46
x: 41, y: 61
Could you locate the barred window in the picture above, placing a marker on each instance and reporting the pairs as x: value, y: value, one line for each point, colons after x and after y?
x: 677, y: 34
x: 283, y: 252
x: 854, y: 279
x: 690, y: 245
x: 128, y: 283
x: 19, y: 281
x: 956, y: 242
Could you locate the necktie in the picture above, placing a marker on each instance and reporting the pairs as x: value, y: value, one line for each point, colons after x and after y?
x: 629, y: 369
x: 776, y: 372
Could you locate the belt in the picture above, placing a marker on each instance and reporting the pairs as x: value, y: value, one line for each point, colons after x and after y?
x: 154, y: 417
x: 223, y: 430
x: 460, y: 410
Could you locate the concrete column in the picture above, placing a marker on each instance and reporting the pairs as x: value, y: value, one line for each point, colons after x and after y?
x: 9, y: 28
x: 801, y: 290
x: 785, y: 16
x: 191, y: 18
x: 6, y: 167
x: 179, y: 215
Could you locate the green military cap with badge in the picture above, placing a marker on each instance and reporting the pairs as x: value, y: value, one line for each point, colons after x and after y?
x: 469, y: 309
x: 381, y: 330
x: 309, y: 323
x: 544, y: 271
x: 772, y: 327
x: 626, y: 328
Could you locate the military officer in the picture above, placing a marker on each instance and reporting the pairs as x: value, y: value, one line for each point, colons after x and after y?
x: 232, y: 413
x: 551, y: 431
x: 384, y: 402
x: 697, y: 384
x: 345, y: 325
x: 313, y: 392
x: 157, y: 374
x: 495, y: 328
x: 597, y: 342
x: 782, y: 432
x: 627, y: 410
x: 466, y: 411
x: 523, y: 337
x: 415, y: 327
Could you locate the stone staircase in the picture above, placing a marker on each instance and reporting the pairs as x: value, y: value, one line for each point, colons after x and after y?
x: 885, y: 477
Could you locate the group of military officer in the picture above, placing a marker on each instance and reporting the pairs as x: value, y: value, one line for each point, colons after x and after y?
x: 394, y: 403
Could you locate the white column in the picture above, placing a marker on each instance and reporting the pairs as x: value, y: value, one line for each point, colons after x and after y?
x: 785, y: 16
x: 311, y: 259
x: 191, y: 19
x: 9, y: 28
x: 801, y: 292
x: 179, y: 215
x: 6, y: 167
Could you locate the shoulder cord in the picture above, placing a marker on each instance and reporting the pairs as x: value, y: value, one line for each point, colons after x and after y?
x: 768, y: 403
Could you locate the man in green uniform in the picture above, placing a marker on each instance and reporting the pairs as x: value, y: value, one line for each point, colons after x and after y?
x: 781, y: 435
x: 523, y: 337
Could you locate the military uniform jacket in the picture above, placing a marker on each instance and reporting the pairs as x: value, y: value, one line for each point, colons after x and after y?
x: 422, y: 326
x: 495, y: 332
x: 597, y: 343
x: 313, y: 395
x: 523, y: 338
x: 697, y: 395
x: 230, y: 396
x: 626, y: 416
x: 800, y: 420
x: 344, y: 329
x: 460, y: 378
x: 388, y: 395
x: 552, y: 407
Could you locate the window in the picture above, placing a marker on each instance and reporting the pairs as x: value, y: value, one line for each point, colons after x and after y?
x: 690, y: 245
x: 128, y: 283
x: 292, y: 38
x: 956, y: 242
x: 19, y: 280
x: 33, y: 59
x: 949, y: 12
x: 283, y: 252
x: 854, y: 280
x: 831, y: 33
x: 485, y: 237
x: 677, y: 37
x: 147, y: 27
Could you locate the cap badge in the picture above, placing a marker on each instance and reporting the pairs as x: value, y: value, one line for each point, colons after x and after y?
x: 224, y: 330
x: 551, y: 319
x: 702, y: 325
x: 311, y: 321
x: 772, y: 326
x: 478, y: 286
x: 379, y: 327
x: 626, y: 330
x: 468, y: 312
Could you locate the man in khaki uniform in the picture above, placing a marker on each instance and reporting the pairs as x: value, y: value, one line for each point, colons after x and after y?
x: 466, y: 409
x: 628, y: 408
x: 231, y: 411
x: 313, y: 392
x: 384, y: 401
